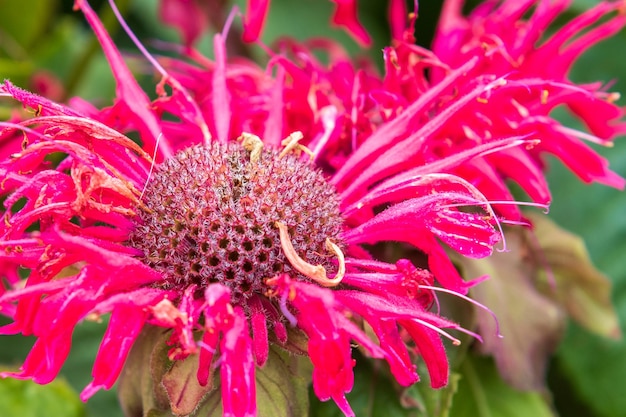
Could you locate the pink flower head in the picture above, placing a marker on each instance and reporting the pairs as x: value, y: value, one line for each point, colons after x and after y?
x: 250, y: 208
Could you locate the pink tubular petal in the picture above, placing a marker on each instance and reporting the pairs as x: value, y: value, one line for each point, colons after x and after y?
x: 518, y: 164
x: 389, y: 133
x: 208, y: 348
x: 217, y: 312
x: 45, y: 358
x: 189, y: 109
x: 43, y: 106
x: 329, y: 345
x: 468, y: 233
x: 221, y: 96
x: 398, y: 157
x: 583, y: 161
x: 346, y: 15
x: 397, y: 355
x: 430, y: 346
x: 332, y: 369
x: 397, y: 16
x: 126, y: 322
x: 254, y: 19
x: 514, y: 31
x: 186, y: 16
x: 259, y: 330
x: 426, y: 175
x: 238, y: 369
x: 132, y: 99
x: 384, y: 315
x: 273, y: 133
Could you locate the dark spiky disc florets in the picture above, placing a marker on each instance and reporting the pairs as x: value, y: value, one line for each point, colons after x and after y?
x: 210, y: 216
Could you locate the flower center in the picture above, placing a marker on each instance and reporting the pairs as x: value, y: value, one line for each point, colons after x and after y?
x: 211, y: 215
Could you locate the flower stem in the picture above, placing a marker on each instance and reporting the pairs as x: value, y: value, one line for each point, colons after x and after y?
x: 475, y: 385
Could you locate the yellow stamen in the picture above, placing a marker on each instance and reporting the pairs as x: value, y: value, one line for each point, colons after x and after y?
x: 316, y: 272
x: 332, y: 247
x: 253, y: 144
x: 291, y: 144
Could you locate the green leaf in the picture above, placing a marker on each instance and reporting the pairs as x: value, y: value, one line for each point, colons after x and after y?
x: 77, y: 369
x: 580, y: 6
x: 482, y: 393
x: 11, y: 69
x: 25, y: 398
x: 22, y: 23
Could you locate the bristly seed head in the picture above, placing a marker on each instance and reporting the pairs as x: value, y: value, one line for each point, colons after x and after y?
x: 211, y: 217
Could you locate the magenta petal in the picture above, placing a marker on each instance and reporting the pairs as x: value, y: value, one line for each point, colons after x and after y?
x: 254, y: 19
x: 186, y: 16
x: 469, y: 233
x: 329, y: 345
x: 221, y: 97
x: 133, y: 100
x: 124, y: 327
x: 332, y: 372
x: 208, y: 349
x: 238, y: 369
x: 346, y: 15
x: 397, y: 354
x: 258, y: 322
x: 464, y: 232
x: 430, y: 347
x: 45, y: 359
x: 43, y: 106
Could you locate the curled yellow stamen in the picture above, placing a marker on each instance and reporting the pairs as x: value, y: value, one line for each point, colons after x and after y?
x: 332, y: 247
x: 316, y: 272
x: 291, y: 144
x: 253, y: 144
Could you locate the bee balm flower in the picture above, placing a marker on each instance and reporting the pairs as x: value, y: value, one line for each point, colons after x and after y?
x: 228, y: 239
x: 245, y: 219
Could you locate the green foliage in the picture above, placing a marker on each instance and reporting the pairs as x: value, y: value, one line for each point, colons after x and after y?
x: 25, y: 398
x: 20, y: 29
x: 483, y: 393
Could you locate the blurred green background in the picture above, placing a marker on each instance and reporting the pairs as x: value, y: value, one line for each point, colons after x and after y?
x: 45, y: 38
